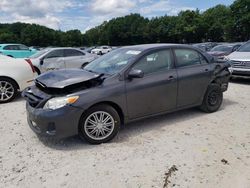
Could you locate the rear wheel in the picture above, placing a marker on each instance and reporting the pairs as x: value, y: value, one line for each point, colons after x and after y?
x: 213, y: 99
x: 99, y: 124
x: 8, y: 90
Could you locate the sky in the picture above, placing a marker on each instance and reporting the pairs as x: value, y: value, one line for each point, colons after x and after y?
x: 86, y: 14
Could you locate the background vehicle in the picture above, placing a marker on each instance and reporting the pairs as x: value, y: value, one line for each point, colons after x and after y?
x: 116, y: 89
x: 101, y: 50
x: 223, y: 50
x: 16, y: 50
x: 60, y: 58
x: 206, y: 46
x: 15, y: 75
x: 240, y: 60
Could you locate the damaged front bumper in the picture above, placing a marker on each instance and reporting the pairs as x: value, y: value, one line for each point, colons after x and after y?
x: 60, y: 123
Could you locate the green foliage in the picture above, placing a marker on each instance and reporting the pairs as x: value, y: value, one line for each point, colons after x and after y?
x: 220, y: 23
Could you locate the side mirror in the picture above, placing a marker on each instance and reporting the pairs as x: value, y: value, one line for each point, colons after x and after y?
x: 135, y: 73
x: 41, y: 61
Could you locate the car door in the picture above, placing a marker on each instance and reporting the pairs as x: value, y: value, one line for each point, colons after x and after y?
x: 54, y: 60
x: 74, y: 58
x: 11, y: 50
x: 194, y: 74
x: 24, y: 51
x: 156, y: 91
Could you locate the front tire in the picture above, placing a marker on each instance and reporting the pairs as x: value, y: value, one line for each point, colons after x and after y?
x: 8, y: 90
x: 213, y: 99
x: 99, y: 124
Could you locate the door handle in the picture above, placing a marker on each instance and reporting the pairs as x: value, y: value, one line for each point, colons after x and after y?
x: 206, y: 70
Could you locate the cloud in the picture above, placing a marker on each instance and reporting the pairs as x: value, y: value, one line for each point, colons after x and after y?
x: 166, y: 7
x: 112, y: 6
x: 81, y: 14
x: 33, y: 11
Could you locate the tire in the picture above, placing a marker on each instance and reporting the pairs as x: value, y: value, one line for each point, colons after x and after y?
x: 89, y: 130
x: 10, y: 56
x: 8, y: 90
x: 213, y: 99
x: 99, y: 53
x: 37, y: 70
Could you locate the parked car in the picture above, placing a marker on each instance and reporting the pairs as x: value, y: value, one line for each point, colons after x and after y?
x: 38, y: 48
x: 240, y: 60
x: 16, y: 50
x: 60, y: 58
x: 223, y: 50
x: 206, y: 46
x: 15, y: 76
x: 101, y: 50
x: 127, y: 84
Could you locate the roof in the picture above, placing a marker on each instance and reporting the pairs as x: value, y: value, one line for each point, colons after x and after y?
x: 157, y: 45
x: 10, y: 44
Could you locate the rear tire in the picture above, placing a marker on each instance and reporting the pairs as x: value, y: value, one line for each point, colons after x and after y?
x: 8, y: 90
x: 212, y: 99
x: 37, y: 70
x: 99, y: 124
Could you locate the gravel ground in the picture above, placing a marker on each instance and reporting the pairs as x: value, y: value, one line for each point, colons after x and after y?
x: 204, y: 150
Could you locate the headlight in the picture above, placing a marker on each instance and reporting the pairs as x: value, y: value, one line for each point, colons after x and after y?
x: 59, y: 102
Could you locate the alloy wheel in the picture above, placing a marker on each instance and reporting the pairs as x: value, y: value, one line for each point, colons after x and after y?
x: 6, y: 91
x: 99, y: 125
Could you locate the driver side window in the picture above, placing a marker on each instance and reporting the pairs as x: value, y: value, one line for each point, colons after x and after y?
x: 155, y: 62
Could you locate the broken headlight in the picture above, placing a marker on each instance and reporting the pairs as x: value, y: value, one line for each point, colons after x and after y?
x: 59, y: 102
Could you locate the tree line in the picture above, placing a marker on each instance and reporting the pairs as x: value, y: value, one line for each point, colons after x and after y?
x: 220, y: 23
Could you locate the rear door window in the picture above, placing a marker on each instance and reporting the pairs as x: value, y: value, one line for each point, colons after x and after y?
x: 11, y: 47
x: 188, y: 57
x: 72, y: 52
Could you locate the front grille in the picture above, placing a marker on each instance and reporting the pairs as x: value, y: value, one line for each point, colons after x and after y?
x: 241, y: 64
x: 32, y: 99
x: 35, y: 97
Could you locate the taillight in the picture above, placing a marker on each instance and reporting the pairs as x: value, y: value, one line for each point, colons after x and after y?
x: 31, y: 65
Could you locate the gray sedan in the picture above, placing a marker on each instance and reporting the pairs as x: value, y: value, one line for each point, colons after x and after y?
x: 124, y: 85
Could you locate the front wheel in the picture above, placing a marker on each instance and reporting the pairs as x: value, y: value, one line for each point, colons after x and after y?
x: 100, y: 124
x: 8, y: 90
x: 213, y: 99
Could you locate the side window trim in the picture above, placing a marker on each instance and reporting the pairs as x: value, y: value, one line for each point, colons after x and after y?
x: 183, y: 48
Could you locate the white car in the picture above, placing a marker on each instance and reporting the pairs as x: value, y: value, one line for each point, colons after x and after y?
x: 101, y: 50
x: 60, y: 58
x: 240, y: 60
x: 15, y: 76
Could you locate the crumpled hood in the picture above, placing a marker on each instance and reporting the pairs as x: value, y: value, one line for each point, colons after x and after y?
x: 62, y: 78
x: 240, y: 56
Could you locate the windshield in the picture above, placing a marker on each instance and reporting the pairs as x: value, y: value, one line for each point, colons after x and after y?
x: 245, y: 47
x: 113, y: 62
x: 40, y: 53
x: 222, y: 48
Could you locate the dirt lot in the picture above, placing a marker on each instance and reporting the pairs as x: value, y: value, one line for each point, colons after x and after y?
x: 208, y: 150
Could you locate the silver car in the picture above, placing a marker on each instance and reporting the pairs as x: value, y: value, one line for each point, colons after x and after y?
x: 60, y: 58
